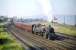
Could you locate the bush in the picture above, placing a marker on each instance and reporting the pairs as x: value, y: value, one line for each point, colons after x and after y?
x: 3, y: 41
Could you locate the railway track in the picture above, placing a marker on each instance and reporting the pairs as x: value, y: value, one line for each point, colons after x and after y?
x: 45, y: 43
x: 68, y: 36
x: 34, y: 40
x: 27, y: 45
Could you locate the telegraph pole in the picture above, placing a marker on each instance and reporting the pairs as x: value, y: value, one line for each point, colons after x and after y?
x: 75, y: 21
x: 64, y: 20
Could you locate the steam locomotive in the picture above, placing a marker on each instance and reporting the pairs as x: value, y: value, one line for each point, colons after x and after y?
x: 37, y: 28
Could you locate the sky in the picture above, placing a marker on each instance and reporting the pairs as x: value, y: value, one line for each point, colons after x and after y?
x: 29, y: 8
x: 25, y: 8
x: 64, y: 7
x: 3, y: 7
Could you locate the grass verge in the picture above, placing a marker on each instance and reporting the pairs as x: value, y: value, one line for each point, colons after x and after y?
x: 9, y: 42
x: 65, y: 29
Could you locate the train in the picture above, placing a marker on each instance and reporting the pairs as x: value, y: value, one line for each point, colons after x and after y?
x: 36, y: 28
